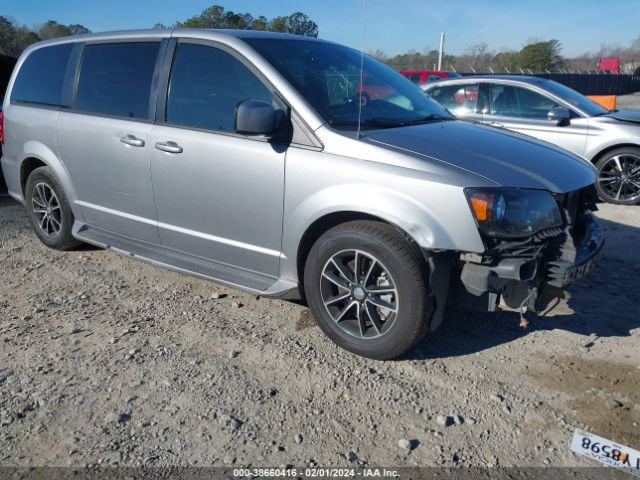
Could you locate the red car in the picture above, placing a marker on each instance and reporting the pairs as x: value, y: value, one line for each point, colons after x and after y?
x: 426, y: 76
x: 368, y: 90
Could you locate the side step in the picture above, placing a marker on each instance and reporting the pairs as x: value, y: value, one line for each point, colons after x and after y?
x: 241, y: 279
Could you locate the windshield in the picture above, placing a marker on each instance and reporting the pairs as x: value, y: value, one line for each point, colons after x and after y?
x: 328, y: 76
x: 574, y: 98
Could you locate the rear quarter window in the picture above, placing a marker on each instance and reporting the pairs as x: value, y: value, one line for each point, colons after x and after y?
x: 41, y: 76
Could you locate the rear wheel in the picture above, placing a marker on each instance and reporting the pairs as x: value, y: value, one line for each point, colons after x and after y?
x: 366, y: 287
x: 619, y: 176
x: 49, y: 210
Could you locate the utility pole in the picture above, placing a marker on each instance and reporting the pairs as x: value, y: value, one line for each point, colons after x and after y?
x: 441, y: 51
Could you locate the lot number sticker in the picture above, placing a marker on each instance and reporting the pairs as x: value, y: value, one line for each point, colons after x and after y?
x: 606, y: 451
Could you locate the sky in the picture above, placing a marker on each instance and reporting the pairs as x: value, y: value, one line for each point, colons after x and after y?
x: 393, y: 26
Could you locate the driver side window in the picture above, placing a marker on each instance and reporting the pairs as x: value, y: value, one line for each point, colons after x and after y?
x: 206, y: 86
x: 512, y: 101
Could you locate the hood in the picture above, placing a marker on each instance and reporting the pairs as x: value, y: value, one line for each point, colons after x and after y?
x: 507, y: 158
x: 626, y: 115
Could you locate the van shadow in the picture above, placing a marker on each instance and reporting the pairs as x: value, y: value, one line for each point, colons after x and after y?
x: 7, y: 202
x: 602, y: 304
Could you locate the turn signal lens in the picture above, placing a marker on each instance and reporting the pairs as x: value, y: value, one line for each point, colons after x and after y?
x: 513, y: 212
x: 481, y: 204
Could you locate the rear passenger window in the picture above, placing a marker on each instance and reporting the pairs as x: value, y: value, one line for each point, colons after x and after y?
x: 206, y: 86
x: 41, y: 76
x: 115, y: 79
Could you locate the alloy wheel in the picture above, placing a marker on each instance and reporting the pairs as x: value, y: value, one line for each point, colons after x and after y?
x: 46, y: 208
x: 359, y: 294
x: 619, y: 177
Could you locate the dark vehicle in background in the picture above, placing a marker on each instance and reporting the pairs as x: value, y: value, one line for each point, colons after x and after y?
x: 427, y: 76
x: 6, y: 67
x: 547, y: 110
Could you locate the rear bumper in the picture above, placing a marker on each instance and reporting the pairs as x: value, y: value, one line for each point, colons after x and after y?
x: 10, y: 170
x: 533, y: 280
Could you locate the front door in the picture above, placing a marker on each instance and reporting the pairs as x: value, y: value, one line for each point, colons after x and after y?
x: 104, y: 140
x: 219, y: 195
x: 525, y: 111
x: 464, y: 100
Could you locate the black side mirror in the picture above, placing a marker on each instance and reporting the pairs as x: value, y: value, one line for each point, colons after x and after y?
x: 560, y: 115
x: 256, y: 117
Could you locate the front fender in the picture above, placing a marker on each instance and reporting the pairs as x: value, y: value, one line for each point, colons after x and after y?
x: 435, y: 216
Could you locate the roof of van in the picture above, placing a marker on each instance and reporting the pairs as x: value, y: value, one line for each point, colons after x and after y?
x: 166, y: 32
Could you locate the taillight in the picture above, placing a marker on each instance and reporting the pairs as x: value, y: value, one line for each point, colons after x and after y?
x: 1, y: 128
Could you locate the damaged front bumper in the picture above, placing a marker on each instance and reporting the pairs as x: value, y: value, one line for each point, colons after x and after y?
x: 531, y: 273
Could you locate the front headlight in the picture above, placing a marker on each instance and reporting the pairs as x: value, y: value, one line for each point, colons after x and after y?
x: 513, y: 212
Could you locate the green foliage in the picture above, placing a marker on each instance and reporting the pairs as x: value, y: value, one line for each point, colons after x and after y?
x: 278, y: 24
x: 507, y: 61
x: 415, y: 60
x: 7, y: 36
x: 15, y: 38
x: 217, y: 17
x: 300, y: 24
x: 540, y: 56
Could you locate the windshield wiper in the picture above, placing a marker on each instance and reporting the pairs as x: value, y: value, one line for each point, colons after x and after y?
x: 385, y: 122
x: 392, y: 122
x: 433, y: 117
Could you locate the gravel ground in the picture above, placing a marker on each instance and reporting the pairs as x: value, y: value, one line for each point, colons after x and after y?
x: 105, y: 360
x: 628, y: 101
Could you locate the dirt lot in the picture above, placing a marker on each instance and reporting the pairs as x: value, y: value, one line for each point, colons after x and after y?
x: 105, y: 360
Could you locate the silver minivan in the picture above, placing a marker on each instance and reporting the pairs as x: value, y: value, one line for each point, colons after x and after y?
x: 250, y: 159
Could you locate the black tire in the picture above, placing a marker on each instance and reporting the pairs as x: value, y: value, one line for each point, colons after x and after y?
x: 620, y: 186
x: 407, y: 272
x: 56, y: 231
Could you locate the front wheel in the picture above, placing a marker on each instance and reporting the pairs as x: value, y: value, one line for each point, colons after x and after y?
x: 367, y: 289
x: 619, y: 176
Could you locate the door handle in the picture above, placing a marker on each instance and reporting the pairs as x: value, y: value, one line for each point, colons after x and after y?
x: 496, y: 124
x: 133, y: 141
x: 170, y: 147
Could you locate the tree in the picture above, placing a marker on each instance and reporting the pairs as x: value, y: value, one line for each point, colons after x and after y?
x: 506, y: 61
x: 260, y: 23
x: 300, y: 24
x: 23, y: 38
x: 541, y: 56
x: 7, y: 36
x: 378, y: 55
x: 278, y: 24
x: 476, y: 58
x: 209, y: 18
x: 53, y: 29
x: 217, y: 17
x: 78, y: 29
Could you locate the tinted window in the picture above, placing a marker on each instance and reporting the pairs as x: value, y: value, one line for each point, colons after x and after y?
x: 574, y: 98
x: 328, y: 77
x: 512, y: 101
x: 206, y: 86
x: 459, y: 99
x: 115, y: 78
x: 41, y: 76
